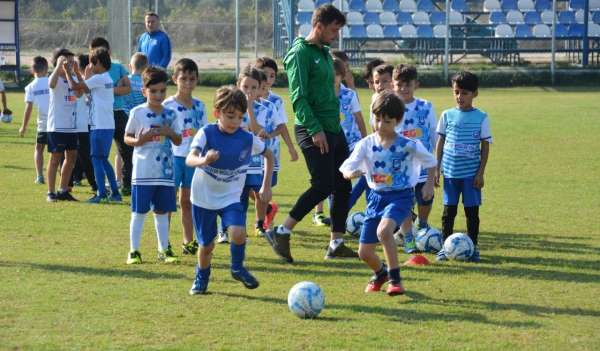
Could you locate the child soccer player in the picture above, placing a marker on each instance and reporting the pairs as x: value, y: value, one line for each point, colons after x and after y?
x: 5, y: 109
x: 348, y: 78
x: 190, y: 117
x: 462, y: 151
x: 62, y: 133
x: 391, y: 163
x: 99, y: 85
x: 221, y: 153
x: 38, y: 95
x: 367, y: 74
x: 150, y: 131
x: 137, y: 65
x: 419, y: 123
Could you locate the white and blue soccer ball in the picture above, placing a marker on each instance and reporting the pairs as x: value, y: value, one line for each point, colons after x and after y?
x: 354, y: 223
x: 459, y: 246
x: 306, y: 300
x: 6, y: 118
x: 429, y: 240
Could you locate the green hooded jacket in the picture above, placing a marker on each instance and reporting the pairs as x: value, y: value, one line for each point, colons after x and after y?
x: 311, y: 83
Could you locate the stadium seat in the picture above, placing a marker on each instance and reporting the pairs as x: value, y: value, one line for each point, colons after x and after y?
x: 566, y: 17
x: 391, y: 32
x: 426, y: 5
x: 459, y: 5
x: 304, y: 17
x: 437, y: 17
x: 576, y: 30
x: 403, y: 18
x: 526, y: 5
x: 306, y: 6
x: 542, y: 31
x: 408, y: 6
x: 358, y: 32
x: 408, y: 31
x: 497, y: 17
x: 319, y: 3
x: 374, y: 31
x: 503, y: 31
x: 594, y: 5
x: 532, y: 17
x: 508, y: 5
x: 523, y: 31
x: 420, y: 18
x: 439, y: 31
x: 357, y: 5
x: 491, y: 5
x: 580, y: 16
x: 456, y: 18
x: 596, y: 17
x: 354, y: 19
x: 547, y: 17
x: 424, y: 32
x: 341, y: 4
x: 304, y: 29
x: 391, y: 5
x: 576, y: 4
x: 562, y: 31
x: 387, y: 19
x: 374, y: 6
x: 371, y: 18
x: 514, y: 17
x: 345, y: 32
x: 594, y: 30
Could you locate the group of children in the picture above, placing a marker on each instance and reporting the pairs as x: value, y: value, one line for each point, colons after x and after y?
x: 216, y: 169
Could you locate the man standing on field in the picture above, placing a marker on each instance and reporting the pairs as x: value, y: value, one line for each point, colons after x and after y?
x: 309, y: 67
x: 155, y: 43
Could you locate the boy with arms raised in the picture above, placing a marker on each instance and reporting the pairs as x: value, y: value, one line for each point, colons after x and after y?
x: 462, y: 151
x: 391, y: 164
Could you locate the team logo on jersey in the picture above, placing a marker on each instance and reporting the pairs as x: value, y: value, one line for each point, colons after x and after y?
x: 381, y: 178
x: 413, y: 133
x: 71, y: 99
x: 244, y: 154
x: 477, y: 134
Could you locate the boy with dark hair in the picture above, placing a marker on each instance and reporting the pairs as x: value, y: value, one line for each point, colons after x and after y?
x: 367, y: 74
x: 348, y: 78
x: 462, y: 152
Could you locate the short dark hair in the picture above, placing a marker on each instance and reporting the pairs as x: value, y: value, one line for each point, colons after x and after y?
x: 385, y: 68
x: 405, y: 73
x: 100, y: 55
x: 83, y: 60
x: 185, y: 65
x: 340, y: 54
x: 250, y: 72
x: 60, y: 52
x: 265, y: 61
x: 98, y: 42
x: 262, y: 76
x: 151, y: 13
x: 328, y: 14
x: 154, y: 75
x: 368, y: 71
x: 339, y: 67
x: 140, y: 61
x: 388, y: 104
x: 230, y: 96
x: 466, y: 80
x: 40, y: 64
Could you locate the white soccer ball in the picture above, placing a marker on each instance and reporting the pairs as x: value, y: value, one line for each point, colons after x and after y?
x: 459, y: 246
x: 354, y: 223
x: 306, y: 300
x: 429, y: 240
x: 6, y: 118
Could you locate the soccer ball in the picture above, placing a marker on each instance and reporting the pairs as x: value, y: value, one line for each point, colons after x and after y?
x: 429, y: 240
x: 459, y: 246
x: 354, y: 223
x: 6, y: 118
x: 306, y: 300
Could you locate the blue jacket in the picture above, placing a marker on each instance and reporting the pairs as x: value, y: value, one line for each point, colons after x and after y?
x: 157, y: 47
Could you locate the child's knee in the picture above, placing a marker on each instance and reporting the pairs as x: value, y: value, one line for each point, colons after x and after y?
x: 364, y: 253
x: 237, y: 234
x: 206, y: 250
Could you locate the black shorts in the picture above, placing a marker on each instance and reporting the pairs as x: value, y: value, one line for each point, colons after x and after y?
x: 60, y: 142
x: 42, y: 138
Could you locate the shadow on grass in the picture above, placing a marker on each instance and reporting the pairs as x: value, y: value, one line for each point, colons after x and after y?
x: 538, y: 242
x: 19, y: 168
x: 107, y: 272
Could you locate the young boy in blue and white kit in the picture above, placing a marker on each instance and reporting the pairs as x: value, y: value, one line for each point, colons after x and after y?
x: 462, y: 151
x: 419, y: 123
x: 391, y: 164
x: 190, y: 118
x: 221, y: 153
x: 151, y: 130
x: 137, y: 65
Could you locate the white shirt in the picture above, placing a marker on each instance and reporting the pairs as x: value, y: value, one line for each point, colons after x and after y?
x: 189, y: 120
x: 278, y: 102
x: 102, y: 92
x: 270, y: 121
x: 83, y: 113
x: 263, y: 116
x: 61, y: 108
x: 153, y: 161
x: 38, y: 93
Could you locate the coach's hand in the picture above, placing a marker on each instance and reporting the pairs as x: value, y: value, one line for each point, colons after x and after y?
x: 320, y: 141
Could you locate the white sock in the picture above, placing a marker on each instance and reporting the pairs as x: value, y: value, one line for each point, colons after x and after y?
x: 161, y: 223
x: 333, y: 244
x: 135, y: 230
x: 283, y: 230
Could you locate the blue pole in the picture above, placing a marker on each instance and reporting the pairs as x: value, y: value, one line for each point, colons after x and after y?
x: 586, y: 43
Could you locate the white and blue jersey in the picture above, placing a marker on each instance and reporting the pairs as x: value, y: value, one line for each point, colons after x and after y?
x: 278, y: 102
x: 189, y: 120
x: 153, y: 161
x: 391, y: 168
x: 464, y: 131
x: 349, y: 106
x: 419, y: 123
x: 135, y: 97
x: 264, y: 118
x: 62, y: 116
x: 220, y: 184
x: 38, y: 94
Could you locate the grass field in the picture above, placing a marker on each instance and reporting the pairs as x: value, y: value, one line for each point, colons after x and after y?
x: 65, y: 285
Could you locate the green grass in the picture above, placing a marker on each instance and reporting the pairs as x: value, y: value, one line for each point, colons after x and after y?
x: 64, y: 284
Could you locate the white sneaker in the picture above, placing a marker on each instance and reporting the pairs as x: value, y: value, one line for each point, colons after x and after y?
x: 222, y: 238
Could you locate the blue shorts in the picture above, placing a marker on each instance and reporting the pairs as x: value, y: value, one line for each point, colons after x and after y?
x: 419, y: 196
x: 42, y: 138
x: 100, y: 142
x: 254, y: 181
x: 453, y: 187
x: 160, y: 198
x: 205, y: 221
x: 395, y: 205
x: 61, y: 142
x: 183, y: 173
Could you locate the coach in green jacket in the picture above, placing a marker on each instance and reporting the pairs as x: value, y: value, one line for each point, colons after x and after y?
x: 309, y: 67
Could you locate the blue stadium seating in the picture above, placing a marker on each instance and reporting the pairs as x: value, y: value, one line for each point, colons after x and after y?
x: 358, y: 32
x: 357, y: 5
x: 523, y: 31
x: 437, y: 17
x: 576, y: 4
x: 532, y: 17
x: 596, y: 17
x: 459, y: 5
x: 497, y: 17
x: 424, y: 32
x: 426, y: 5
x: 566, y: 17
x: 371, y: 18
x: 562, y: 31
x: 391, y: 32
x: 404, y: 18
x: 390, y: 5
x: 576, y: 30
x: 303, y: 17
x: 509, y: 5
x: 319, y: 3
x: 541, y: 5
